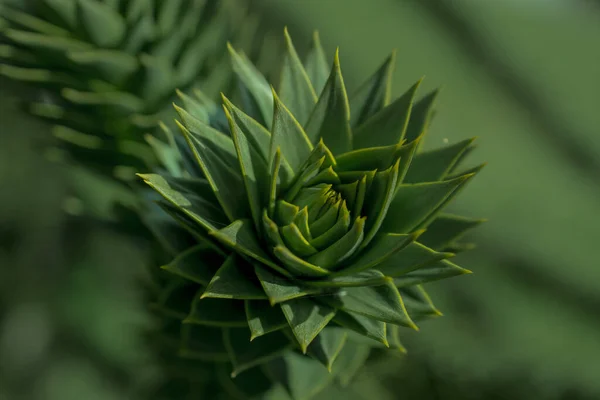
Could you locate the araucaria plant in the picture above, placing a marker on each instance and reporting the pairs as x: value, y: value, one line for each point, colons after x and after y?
x: 304, y: 222
x: 318, y: 220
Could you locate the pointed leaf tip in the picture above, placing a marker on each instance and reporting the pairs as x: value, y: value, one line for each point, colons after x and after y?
x: 330, y: 119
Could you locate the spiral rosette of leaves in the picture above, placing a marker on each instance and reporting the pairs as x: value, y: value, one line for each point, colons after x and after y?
x: 318, y: 221
x: 110, y: 69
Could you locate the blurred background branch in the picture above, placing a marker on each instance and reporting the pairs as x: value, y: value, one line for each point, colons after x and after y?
x: 473, y: 42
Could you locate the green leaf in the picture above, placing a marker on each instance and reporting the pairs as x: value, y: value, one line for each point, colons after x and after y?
x: 32, y: 23
x: 279, y: 288
x: 15, y: 55
x: 446, y: 229
x: 196, y: 107
x: 406, y: 154
x: 413, y: 203
x: 326, y: 175
x: 421, y: 115
x: 235, y: 280
x: 285, y: 212
x: 365, y: 326
x: 316, y: 64
x: 410, y: 258
x: 281, y: 175
x: 168, y: 15
x: 389, y: 125
x: 295, y: 87
x: 66, y: 11
x: 357, y: 200
x: 244, y: 97
x: 469, y: 171
x: 382, y: 303
x: 124, y: 102
x: 382, y: 247
x: 240, y: 235
x: 288, y: 135
x: 167, y: 154
x: 142, y: 32
x: 350, y: 360
x: 374, y: 94
x: 330, y: 119
x: 301, y: 221
x: 255, y: 83
x: 368, y: 159
x: 297, y: 266
x: 311, y: 197
x: 198, y: 264
x: 364, y: 278
x: 418, y: 303
x: 202, y: 343
x: 342, y: 249
x: 222, y: 313
x: 296, y: 242
x: 333, y: 234
x: 79, y: 139
x: 201, y: 209
x: 379, y: 198
x: 273, y: 182
x: 256, y: 134
x: 435, y: 165
x: 245, y: 355
x: 300, y: 375
x: 467, y: 177
x: 203, y: 133
x: 307, y: 319
x: 327, y: 219
x: 432, y: 272
x: 321, y: 150
x: 226, y: 183
x: 38, y: 76
x: 394, y: 335
x: 44, y: 43
x: 253, y: 167
x: 271, y: 231
x: 301, y: 180
x: 327, y: 346
x: 263, y: 318
x: 105, y: 27
x: 115, y: 66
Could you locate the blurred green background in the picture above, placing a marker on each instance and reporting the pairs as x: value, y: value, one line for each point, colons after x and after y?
x: 523, y: 76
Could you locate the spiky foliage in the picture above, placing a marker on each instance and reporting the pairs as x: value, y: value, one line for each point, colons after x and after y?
x: 317, y: 220
x: 110, y: 68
